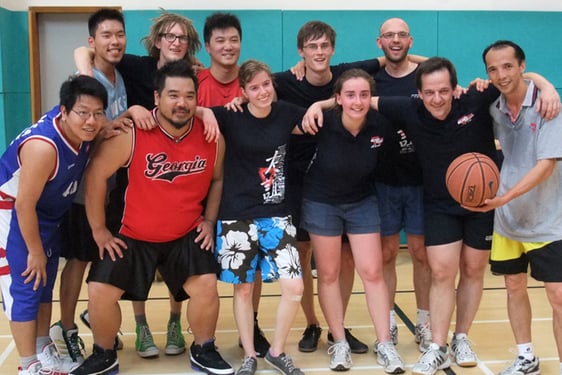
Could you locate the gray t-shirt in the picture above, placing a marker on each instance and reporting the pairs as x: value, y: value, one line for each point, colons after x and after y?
x: 535, y: 216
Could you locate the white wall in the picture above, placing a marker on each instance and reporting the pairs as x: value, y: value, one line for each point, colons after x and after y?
x: 539, y: 5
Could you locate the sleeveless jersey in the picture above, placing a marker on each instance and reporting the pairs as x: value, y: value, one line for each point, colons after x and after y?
x: 169, y: 179
x: 59, y: 190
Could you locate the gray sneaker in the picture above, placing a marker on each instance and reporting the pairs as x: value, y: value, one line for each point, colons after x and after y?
x: 522, y: 366
x: 423, y: 336
x: 431, y: 361
x: 340, y: 356
x: 394, y: 334
x: 462, y: 352
x: 389, y: 359
x: 248, y: 367
x: 283, y: 364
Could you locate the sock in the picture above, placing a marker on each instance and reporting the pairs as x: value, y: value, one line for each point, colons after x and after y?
x: 392, y: 318
x: 422, y: 317
x: 27, y: 361
x: 460, y: 336
x: 526, y: 350
x: 40, y: 343
x: 560, y: 368
x: 141, y: 319
x: 174, y: 317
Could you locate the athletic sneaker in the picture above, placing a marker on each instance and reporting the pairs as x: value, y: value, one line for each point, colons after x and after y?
x: 389, y: 359
x: 101, y: 362
x: 523, y: 366
x: 431, y: 361
x: 67, y: 342
x: 144, y: 344
x: 52, y: 363
x: 462, y: 351
x: 283, y: 363
x: 310, y: 337
x: 261, y: 345
x: 394, y: 334
x: 340, y: 356
x: 175, y: 342
x: 33, y: 369
x: 423, y: 336
x: 85, y: 318
x: 355, y: 345
x: 206, y: 358
x: 248, y: 367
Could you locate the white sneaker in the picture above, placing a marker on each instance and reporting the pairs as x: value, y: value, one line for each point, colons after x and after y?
x: 522, y: 366
x: 51, y: 361
x: 462, y: 351
x: 431, y: 361
x: 389, y: 359
x: 340, y: 359
x: 33, y: 369
x: 423, y: 336
x: 67, y: 342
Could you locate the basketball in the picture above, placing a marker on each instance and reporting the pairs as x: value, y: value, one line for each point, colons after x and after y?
x: 472, y: 178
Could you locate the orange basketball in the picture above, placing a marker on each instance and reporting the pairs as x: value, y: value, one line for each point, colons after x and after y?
x: 472, y: 178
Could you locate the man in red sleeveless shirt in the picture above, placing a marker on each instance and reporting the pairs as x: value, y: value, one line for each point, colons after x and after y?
x: 172, y: 170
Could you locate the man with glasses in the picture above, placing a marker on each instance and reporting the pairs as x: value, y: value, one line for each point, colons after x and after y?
x: 108, y: 41
x: 39, y: 176
x: 172, y: 37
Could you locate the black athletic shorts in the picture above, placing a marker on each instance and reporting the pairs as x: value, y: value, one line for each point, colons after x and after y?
x: 76, y: 240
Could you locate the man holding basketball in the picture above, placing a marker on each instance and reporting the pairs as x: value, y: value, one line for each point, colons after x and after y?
x: 457, y: 240
x: 528, y: 215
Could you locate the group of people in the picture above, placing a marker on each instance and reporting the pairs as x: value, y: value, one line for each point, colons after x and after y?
x: 222, y: 174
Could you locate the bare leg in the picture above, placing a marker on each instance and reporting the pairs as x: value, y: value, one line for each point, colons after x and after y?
x: 327, y: 254
x: 519, y: 307
x: 390, y: 247
x: 554, y: 293
x: 105, y: 313
x: 71, y: 279
x: 203, y: 306
x: 422, y: 272
x: 444, y: 262
x: 244, y: 316
x: 347, y: 275
x: 291, y: 294
x: 307, y: 302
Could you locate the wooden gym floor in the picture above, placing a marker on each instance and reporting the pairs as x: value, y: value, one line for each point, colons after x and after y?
x: 490, y: 334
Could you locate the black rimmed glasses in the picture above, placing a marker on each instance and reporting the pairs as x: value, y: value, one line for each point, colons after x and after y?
x: 171, y: 37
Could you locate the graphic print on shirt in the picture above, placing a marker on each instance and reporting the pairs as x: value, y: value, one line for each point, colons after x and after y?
x: 273, y: 177
x: 158, y: 167
x: 406, y: 145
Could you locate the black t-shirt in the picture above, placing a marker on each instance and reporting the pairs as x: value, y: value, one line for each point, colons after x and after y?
x: 343, y: 165
x: 467, y: 128
x: 255, y: 161
x: 139, y: 73
x: 398, y: 163
x: 304, y: 94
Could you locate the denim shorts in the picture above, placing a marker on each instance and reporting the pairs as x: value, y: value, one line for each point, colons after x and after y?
x: 327, y: 219
x: 400, y: 207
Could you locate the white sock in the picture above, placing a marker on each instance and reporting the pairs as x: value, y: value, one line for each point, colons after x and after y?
x: 392, y: 318
x: 41, y: 342
x: 526, y: 350
x: 422, y: 317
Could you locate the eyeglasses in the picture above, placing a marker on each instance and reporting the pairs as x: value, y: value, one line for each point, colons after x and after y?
x: 171, y: 37
x: 391, y: 35
x: 314, y: 46
x: 86, y: 115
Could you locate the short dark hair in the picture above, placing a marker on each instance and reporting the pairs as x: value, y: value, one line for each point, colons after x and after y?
x: 179, y: 68
x: 499, y: 44
x: 220, y: 21
x: 101, y: 15
x: 79, y: 85
x: 434, y: 64
x: 313, y: 30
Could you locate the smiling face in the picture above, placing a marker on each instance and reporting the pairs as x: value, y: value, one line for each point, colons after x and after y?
x: 395, y: 40
x: 109, y: 42
x: 316, y: 54
x: 177, y: 102
x: 175, y: 50
x: 224, y: 47
x: 354, y: 99
x: 84, y: 120
x: 504, y: 70
x: 260, y: 92
x: 437, y: 93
